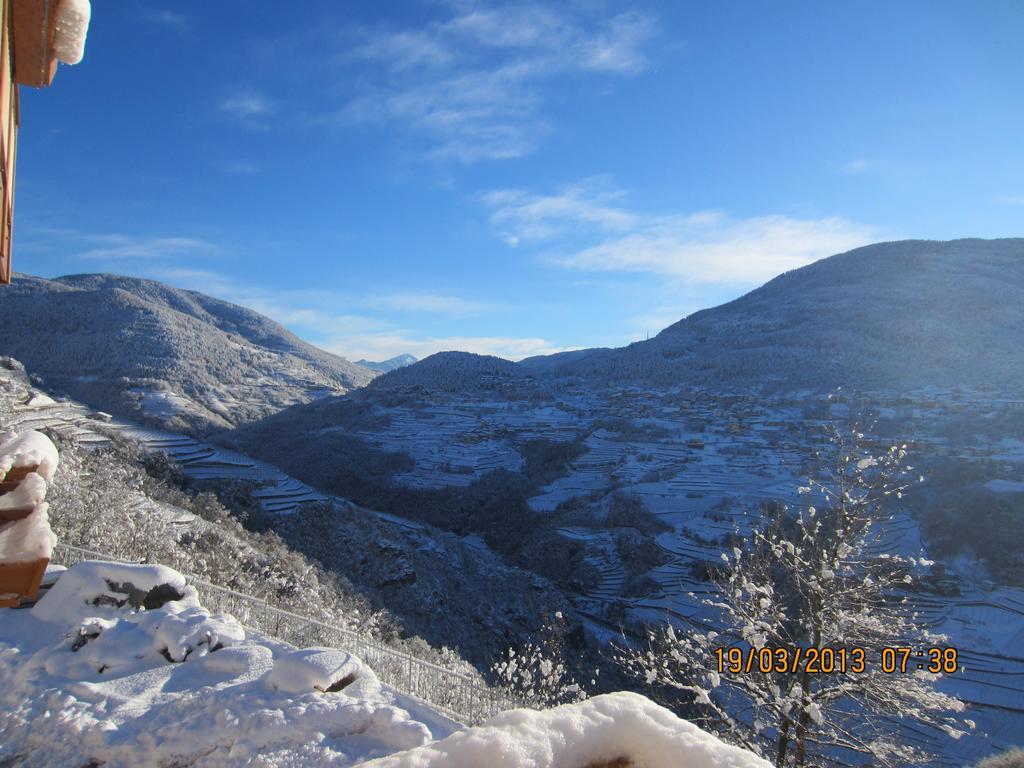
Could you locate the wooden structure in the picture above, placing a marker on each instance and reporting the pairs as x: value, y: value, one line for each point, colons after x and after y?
x: 27, y: 57
x: 26, y: 541
x: 20, y: 581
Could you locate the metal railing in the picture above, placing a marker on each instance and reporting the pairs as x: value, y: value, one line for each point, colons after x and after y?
x: 456, y: 695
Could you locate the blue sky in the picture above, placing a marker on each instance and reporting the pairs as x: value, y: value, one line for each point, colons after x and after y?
x: 513, y: 178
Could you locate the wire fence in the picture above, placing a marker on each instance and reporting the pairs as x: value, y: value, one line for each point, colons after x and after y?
x: 459, y: 696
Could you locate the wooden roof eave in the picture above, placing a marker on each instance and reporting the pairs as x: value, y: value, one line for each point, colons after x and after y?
x: 32, y: 27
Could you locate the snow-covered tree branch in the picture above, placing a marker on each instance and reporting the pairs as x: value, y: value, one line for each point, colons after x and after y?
x: 806, y: 579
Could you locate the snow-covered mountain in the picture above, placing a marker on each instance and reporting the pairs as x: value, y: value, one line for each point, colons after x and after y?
x: 145, y: 350
x: 637, y: 464
x: 913, y: 313
x: 398, y: 361
x: 452, y: 371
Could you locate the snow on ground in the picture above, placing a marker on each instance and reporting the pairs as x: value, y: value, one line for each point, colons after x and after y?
x: 85, y: 677
x: 120, y: 665
x: 598, y: 731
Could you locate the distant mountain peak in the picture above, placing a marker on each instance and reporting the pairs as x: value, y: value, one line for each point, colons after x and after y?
x: 392, y: 363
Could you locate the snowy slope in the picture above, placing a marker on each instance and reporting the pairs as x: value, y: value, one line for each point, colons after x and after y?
x: 453, y: 371
x: 910, y: 314
x: 142, y: 349
x: 383, y: 366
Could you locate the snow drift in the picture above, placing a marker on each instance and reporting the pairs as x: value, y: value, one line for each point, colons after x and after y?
x: 92, y: 674
x: 604, y: 729
x: 121, y: 665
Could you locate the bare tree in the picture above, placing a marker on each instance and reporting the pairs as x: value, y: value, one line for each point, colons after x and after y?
x: 536, y: 674
x: 808, y: 666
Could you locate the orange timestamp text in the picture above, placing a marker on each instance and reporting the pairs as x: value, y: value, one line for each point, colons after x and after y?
x: 829, y: 660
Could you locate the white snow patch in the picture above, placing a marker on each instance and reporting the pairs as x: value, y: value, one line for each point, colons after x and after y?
x: 28, y: 449
x: 176, y: 685
x: 70, y: 27
x: 101, y: 586
x: 30, y: 493
x: 601, y: 729
x: 317, y: 669
x: 27, y: 539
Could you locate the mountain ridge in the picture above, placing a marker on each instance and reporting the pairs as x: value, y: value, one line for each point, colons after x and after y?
x: 144, y: 349
x: 908, y: 313
x: 383, y: 366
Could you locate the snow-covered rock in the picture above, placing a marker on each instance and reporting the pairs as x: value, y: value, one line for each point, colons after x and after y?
x: 321, y: 669
x: 28, y: 449
x: 600, y: 730
x: 100, y: 586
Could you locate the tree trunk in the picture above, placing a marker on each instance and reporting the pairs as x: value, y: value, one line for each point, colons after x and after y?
x: 780, y: 755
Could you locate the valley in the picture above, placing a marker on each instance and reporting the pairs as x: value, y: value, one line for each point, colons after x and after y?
x: 476, y: 498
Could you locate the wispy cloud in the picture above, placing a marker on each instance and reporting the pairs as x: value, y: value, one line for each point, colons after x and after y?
x: 586, y: 226
x: 118, y: 247
x: 855, y: 166
x: 353, y: 326
x: 434, y: 303
x: 473, y: 84
x: 381, y: 346
x: 249, y: 107
x: 1010, y: 199
x: 711, y: 247
x: 589, y: 204
x: 167, y: 19
x: 241, y: 168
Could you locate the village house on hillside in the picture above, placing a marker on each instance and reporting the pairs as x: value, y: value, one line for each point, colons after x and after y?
x: 36, y: 35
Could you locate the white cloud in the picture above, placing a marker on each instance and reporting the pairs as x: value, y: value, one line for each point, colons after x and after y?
x: 1010, y: 199
x: 354, y: 331
x: 248, y: 107
x: 587, y: 228
x: 520, y: 216
x: 713, y: 248
x: 241, y: 168
x: 473, y: 84
x: 856, y: 166
x: 434, y: 303
x: 381, y: 346
x: 116, y: 247
x: 404, y: 50
x: 171, y: 20
x: 354, y: 325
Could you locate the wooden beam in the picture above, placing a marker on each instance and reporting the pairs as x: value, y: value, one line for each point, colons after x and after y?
x: 32, y: 28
